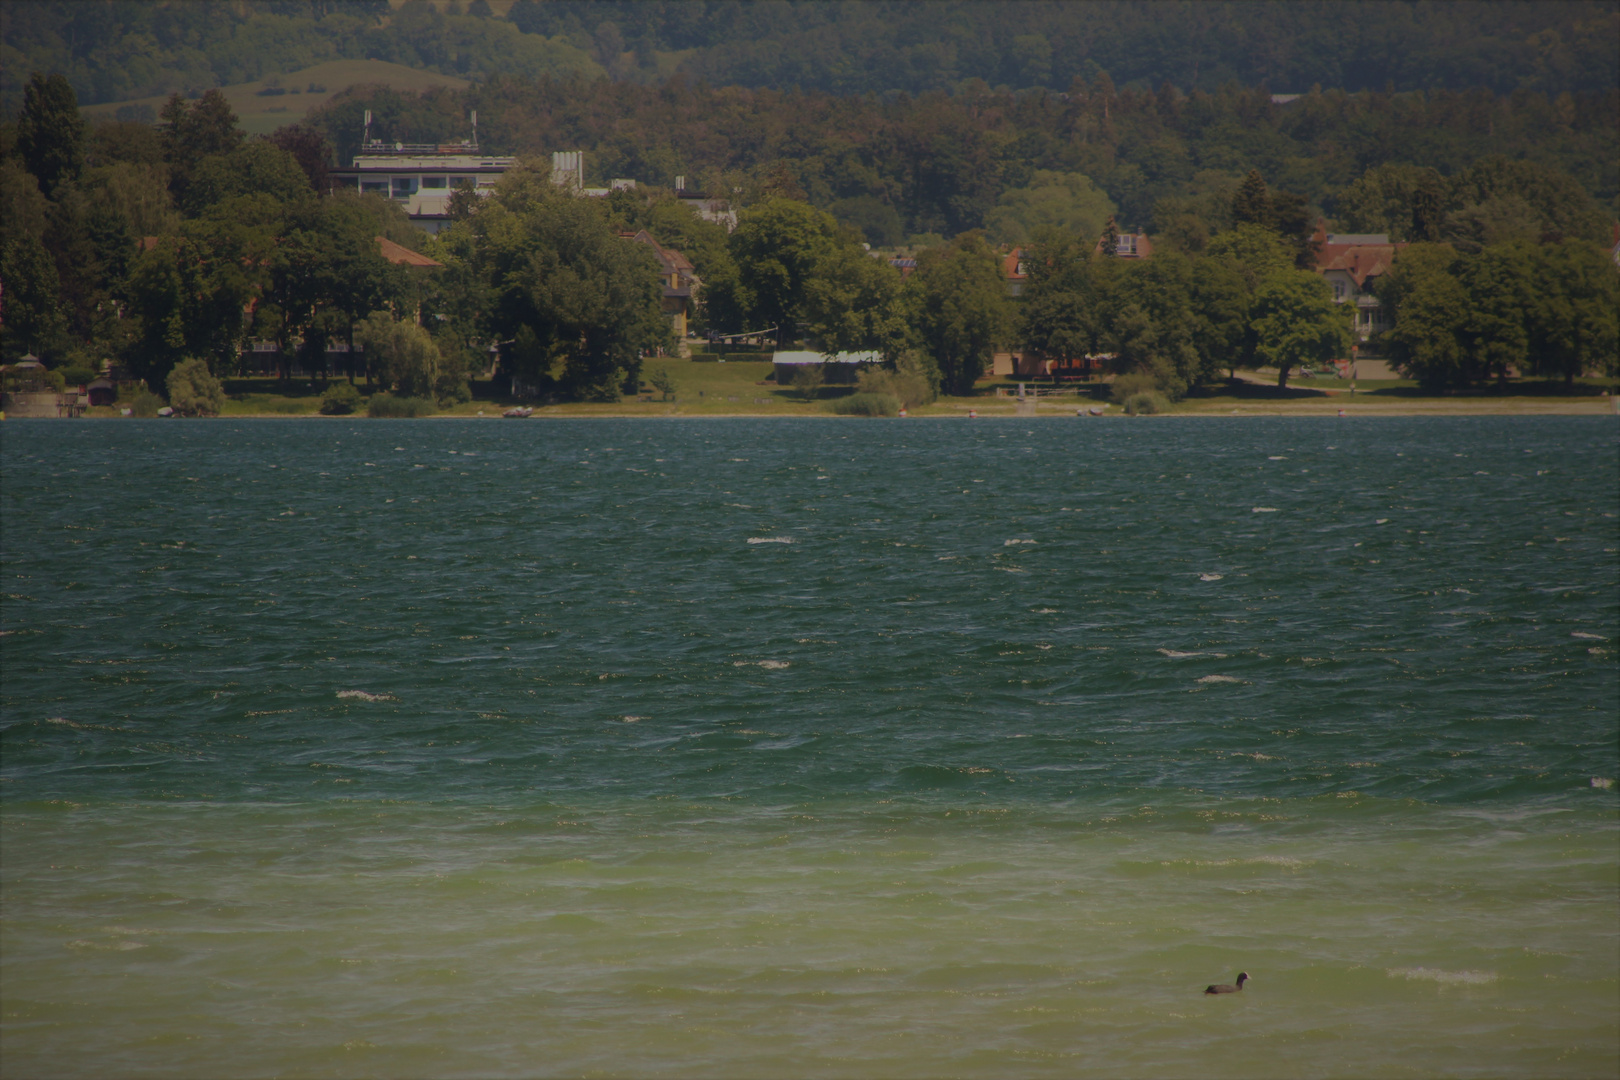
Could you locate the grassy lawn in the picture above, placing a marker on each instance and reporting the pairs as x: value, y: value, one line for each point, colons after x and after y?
x: 745, y: 388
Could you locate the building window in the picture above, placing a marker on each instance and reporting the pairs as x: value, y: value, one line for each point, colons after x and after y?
x: 378, y: 186
x: 460, y: 181
x: 432, y: 182
x: 404, y: 187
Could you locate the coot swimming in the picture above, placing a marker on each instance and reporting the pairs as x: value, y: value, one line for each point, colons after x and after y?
x: 1228, y: 988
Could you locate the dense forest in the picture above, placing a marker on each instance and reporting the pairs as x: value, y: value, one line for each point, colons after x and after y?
x: 935, y: 165
x: 113, y: 50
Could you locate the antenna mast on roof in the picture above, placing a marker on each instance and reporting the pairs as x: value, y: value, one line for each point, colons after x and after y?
x: 365, y: 139
x: 475, y: 128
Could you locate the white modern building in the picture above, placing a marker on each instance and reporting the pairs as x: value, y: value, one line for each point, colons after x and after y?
x: 421, y: 177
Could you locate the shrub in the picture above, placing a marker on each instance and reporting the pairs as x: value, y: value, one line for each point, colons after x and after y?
x: 1146, y: 403
x: 663, y: 382
x: 77, y: 375
x: 405, y: 355
x: 193, y: 390
x: 452, y: 390
x: 1132, y: 383
x: 340, y: 399
x: 144, y: 405
x: 387, y: 405
x: 807, y: 381
x: 913, y: 380
x: 705, y: 357
x: 866, y: 404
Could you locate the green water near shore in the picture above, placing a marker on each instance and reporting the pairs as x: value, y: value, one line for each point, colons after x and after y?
x: 439, y: 750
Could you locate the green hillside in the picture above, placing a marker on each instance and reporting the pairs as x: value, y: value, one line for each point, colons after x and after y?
x: 294, y: 95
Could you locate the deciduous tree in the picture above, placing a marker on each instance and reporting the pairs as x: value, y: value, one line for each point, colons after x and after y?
x: 957, y: 305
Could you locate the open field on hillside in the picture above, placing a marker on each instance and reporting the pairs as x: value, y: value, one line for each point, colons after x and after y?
x: 260, y: 115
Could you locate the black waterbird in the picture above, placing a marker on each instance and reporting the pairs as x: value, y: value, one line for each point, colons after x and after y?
x: 1228, y: 988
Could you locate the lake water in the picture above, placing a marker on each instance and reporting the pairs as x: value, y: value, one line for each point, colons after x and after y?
x: 748, y: 748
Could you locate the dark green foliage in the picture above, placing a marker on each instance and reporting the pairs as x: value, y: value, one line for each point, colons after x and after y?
x: 920, y: 46
x: 387, y: 406
x: 193, y: 391
x: 33, y: 315
x: 144, y: 405
x: 956, y: 305
x: 807, y: 381
x: 1295, y: 322
x: 982, y: 158
x: 50, y: 132
x: 1130, y: 384
x: 257, y: 168
x: 576, y: 304
x: 340, y: 399
x: 192, y: 133
x: 1146, y: 403
x: 866, y: 404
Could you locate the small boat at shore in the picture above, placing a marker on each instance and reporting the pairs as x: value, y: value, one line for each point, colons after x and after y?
x: 518, y: 413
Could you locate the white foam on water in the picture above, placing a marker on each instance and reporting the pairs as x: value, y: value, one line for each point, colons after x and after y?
x: 1605, y: 783
x: 1588, y: 637
x: 1444, y: 978
x: 772, y: 665
x: 1263, y: 510
x: 1219, y: 679
x: 633, y: 719
x: 1276, y: 457
x: 1010, y: 543
x: 1174, y: 655
x: 770, y: 539
x: 1381, y: 521
x: 361, y: 695
x: 1209, y: 577
x: 1044, y: 610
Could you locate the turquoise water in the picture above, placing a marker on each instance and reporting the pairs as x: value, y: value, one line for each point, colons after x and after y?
x: 441, y: 748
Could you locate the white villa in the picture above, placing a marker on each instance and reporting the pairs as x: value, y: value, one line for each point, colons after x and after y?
x: 422, y: 176
x: 1351, y: 263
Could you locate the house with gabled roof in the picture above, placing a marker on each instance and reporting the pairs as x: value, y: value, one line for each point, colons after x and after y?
x: 1352, y: 263
x: 678, y: 278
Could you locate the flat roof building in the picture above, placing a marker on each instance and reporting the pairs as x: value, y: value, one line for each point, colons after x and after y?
x: 421, y: 177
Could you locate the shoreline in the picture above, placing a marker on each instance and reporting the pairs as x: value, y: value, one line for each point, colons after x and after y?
x: 1331, y: 411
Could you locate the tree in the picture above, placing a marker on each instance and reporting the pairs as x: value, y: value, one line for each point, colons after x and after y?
x: 807, y: 381
x: 1429, y: 339
x: 852, y: 303
x: 191, y: 133
x: 777, y: 247
x: 957, y: 305
x: 1251, y: 203
x: 1500, y: 296
x: 1108, y: 242
x: 33, y: 318
x: 1056, y: 319
x: 1573, y: 317
x: 193, y: 390
x: 1053, y: 200
x: 1219, y: 302
x: 309, y: 148
x: 402, y: 353
x: 1296, y: 322
x: 259, y: 167
x: 590, y: 300
x: 1254, y: 251
x: 50, y: 132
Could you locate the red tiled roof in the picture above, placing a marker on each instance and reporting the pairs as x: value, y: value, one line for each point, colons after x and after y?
x: 402, y: 256
x: 1360, y: 261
